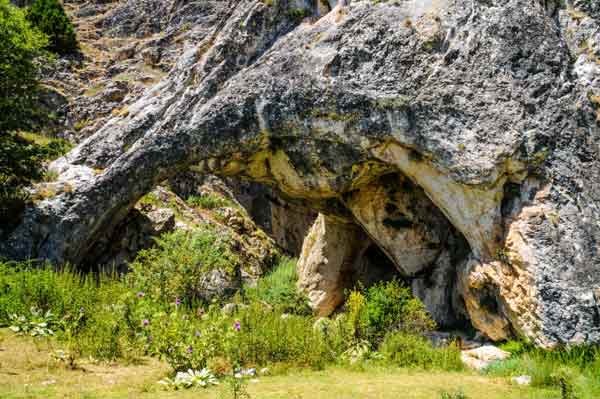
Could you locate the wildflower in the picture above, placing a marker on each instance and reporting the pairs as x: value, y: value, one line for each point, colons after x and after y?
x: 237, y: 326
x: 81, y: 310
x: 140, y: 294
x: 197, y: 334
x: 177, y: 301
x: 190, y: 349
x: 145, y: 322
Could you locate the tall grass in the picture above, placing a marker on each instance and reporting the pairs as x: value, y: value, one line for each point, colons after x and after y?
x: 86, y: 320
x: 406, y: 350
x: 278, y: 288
x: 575, y: 369
x: 23, y: 286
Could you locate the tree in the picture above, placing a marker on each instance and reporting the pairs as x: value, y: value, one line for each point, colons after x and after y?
x: 49, y: 17
x: 20, y: 159
x: 19, y: 47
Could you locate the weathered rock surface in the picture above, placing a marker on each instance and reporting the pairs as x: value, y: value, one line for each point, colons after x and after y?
x: 489, y: 107
x: 163, y: 211
x: 327, y: 262
x: 482, y: 357
x: 336, y: 256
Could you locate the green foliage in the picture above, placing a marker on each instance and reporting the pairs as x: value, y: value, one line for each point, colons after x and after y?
x: 278, y: 288
x: 19, y: 47
x: 453, y: 395
x: 574, y: 371
x: 516, y: 348
x: 298, y: 14
x: 383, y: 307
x: 49, y: 17
x: 84, y: 314
x: 176, y: 267
x: 36, y: 324
x: 21, y: 155
x: 21, y: 162
x: 209, y: 201
x: 190, y: 379
x: 408, y: 350
x: 237, y: 387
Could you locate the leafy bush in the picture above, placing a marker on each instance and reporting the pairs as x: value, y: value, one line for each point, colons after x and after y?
x: 36, y: 324
x: 254, y: 336
x: 189, y: 379
x: 278, y: 288
x: 177, y: 266
x: 20, y: 44
x: 383, y: 307
x: 49, y: 17
x: 20, y: 158
x: 408, y: 350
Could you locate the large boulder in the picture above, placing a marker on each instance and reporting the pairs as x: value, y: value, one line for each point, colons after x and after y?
x: 489, y: 107
x: 326, y: 264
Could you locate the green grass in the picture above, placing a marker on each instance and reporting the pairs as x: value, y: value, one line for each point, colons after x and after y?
x: 576, y: 368
x: 118, y: 330
x: 209, y: 201
x: 278, y: 288
x: 27, y: 371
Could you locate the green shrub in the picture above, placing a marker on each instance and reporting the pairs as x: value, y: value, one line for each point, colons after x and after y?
x: 22, y: 164
x: 176, y: 267
x: 384, y: 307
x: 20, y: 159
x: 49, y: 17
x: 408, y: 350
x: 265, y: 337
x: 357, y: 317
x: 254, y: 336
x: 279, y: 289
x: 20, y: 45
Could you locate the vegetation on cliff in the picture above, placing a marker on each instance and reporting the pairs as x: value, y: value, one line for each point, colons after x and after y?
x: 50, y: 18
x: 21, y: 154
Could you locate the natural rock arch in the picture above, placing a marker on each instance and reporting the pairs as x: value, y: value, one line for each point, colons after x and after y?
x: 461, y: 97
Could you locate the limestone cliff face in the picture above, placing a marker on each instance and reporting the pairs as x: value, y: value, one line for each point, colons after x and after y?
x: 488, y: 108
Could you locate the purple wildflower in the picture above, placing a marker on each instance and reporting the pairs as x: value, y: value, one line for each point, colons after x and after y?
x: 140, y: 294
x: 177, y: 301
x: 145, y: 322
x: 189, y: 349
x: 237, y: 326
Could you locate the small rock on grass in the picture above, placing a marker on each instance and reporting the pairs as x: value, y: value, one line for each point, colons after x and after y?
x: 522, y: 380
x: 480, y: 358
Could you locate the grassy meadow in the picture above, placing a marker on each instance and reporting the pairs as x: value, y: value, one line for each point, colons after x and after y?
x: 148, y: 334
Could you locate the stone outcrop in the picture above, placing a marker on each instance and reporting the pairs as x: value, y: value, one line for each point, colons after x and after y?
x: 327, y: 260
x: 482, y: 357
x: 489, y: 107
